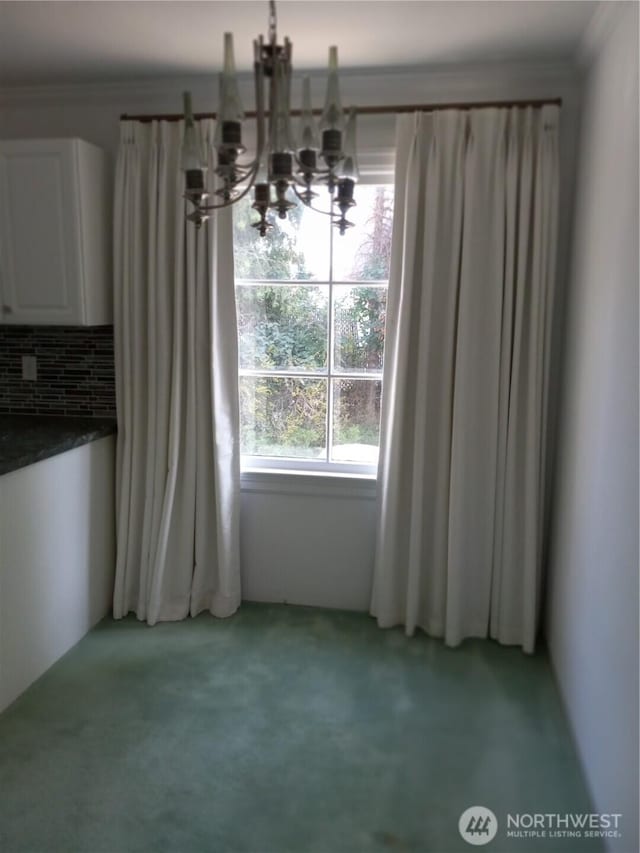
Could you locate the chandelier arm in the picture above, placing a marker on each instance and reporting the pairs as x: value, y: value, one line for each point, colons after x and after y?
x: 244, y: 171
x: 248, y: 167
x: 204, y: 208
x: 331, y: 213
x: 302, y: 183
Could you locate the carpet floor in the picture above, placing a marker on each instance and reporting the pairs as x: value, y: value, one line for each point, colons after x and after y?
x: 282, y: 730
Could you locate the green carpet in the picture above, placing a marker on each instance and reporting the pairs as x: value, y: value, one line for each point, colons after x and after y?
x: 281, y: 730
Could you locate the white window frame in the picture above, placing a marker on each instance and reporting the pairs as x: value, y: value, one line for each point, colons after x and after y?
x: 302, y: 465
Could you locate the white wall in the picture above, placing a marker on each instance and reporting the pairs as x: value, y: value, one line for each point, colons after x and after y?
x: 593, y: 600
x: 57, y: 559
x: 308, y: 539
x: 281, y: 519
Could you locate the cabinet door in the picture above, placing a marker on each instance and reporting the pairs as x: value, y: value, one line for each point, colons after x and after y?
x: 39, y: 252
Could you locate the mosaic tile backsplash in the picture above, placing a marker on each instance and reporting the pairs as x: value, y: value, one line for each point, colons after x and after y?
x: 75, y: 371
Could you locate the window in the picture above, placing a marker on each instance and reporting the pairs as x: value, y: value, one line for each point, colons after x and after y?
x: 311, y: 313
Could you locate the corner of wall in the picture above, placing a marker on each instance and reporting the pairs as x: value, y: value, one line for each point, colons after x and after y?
x: 592, y: 626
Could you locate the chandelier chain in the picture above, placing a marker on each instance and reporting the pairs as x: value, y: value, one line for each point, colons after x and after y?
x: 273, y: 23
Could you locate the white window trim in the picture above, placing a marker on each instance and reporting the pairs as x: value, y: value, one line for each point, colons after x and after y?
x: 300, y: 467
x: 325, y: 484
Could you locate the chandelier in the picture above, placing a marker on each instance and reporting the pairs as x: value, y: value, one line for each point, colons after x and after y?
x: 284, y: 166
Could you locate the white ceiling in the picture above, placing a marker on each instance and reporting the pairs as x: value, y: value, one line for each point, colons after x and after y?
x: 69, y: 42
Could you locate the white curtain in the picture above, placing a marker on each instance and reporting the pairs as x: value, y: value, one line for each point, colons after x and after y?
x: 178, y: 469
x: 462, y: 458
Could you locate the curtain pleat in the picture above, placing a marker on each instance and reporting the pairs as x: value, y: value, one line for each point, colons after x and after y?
x: 176, y: 372
x: 463, y: 436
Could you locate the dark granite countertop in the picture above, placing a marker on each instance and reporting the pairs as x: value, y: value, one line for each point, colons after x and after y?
x: 25, y: 439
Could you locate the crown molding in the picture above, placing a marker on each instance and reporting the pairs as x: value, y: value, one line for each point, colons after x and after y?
x: 368, y: 85
x: 129, y: 90
x: 601, y: 24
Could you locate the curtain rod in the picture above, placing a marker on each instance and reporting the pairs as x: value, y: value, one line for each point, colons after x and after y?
x: 401, y: 108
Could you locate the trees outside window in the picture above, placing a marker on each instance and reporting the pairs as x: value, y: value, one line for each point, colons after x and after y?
x: 311, y: 316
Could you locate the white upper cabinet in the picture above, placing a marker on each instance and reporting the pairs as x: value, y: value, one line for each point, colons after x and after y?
x: 55, y: 233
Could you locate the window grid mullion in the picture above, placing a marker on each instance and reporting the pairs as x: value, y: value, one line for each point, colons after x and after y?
x: 293, y: 374
x: 330, y: 332
x: 338, y: 374
x: 280, y: 282
x: 283, y: 374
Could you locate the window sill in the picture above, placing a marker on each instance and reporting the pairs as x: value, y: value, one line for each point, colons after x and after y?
x: 309, y: 483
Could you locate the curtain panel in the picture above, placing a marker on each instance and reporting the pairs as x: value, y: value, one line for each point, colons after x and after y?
x: 464, y: 410
x: 178, y: 469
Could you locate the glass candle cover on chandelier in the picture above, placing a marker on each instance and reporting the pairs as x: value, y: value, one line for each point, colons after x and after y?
x: 283, y: 167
